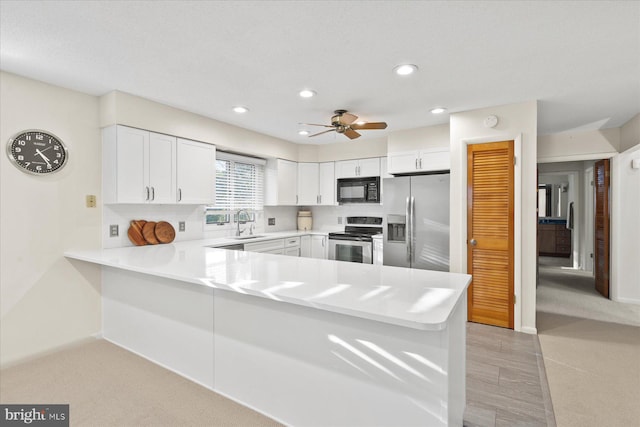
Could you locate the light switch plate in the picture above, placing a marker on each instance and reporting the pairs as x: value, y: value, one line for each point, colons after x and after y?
x: 272, y: 221
x: 339, y: 220
x: 91, y: 201
x: 113, y: 230
x: 181, y: 226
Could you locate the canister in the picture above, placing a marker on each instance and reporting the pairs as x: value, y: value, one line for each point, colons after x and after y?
x: 305, y: 221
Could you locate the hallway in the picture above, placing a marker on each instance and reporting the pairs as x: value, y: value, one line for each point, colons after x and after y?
x: 591, y: 349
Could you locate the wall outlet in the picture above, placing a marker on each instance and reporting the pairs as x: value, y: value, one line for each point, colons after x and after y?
x: 113, y: 230
x: 339, y: 220
x: 272, y: 221
x: 181, y: 226
x: 91, y: 201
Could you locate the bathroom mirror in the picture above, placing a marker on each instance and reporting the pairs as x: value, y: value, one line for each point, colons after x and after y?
x: 552, y: 200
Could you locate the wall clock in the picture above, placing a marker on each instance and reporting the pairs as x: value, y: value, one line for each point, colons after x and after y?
x: 37, y: 152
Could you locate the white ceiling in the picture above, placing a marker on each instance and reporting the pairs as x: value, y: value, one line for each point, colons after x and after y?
x: 581, y: 60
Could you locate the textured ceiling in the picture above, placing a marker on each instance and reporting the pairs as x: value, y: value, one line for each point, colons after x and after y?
x: 581, y: 60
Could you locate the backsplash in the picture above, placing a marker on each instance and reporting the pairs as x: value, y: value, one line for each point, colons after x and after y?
x: 192, y: 215
x: 325, y: 218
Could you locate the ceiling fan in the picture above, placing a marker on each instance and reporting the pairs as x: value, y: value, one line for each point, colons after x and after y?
x: 343, y: 122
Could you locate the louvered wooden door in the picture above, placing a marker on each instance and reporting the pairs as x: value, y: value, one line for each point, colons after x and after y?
x: 490, y: 233
x: 602, y: 227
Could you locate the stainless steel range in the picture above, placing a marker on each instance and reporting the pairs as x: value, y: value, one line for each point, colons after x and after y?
x: 356, y: 243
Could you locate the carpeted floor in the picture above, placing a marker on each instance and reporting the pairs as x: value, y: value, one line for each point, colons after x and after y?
x: 591, y: 350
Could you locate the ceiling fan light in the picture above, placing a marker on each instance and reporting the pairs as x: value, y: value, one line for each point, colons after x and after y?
x: 405, y: 69
x: 303, y: 132
x: 438, y: 110
x: 307, y: 93
x: 240, y: 109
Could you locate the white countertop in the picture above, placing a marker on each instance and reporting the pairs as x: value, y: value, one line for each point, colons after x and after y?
x: 412, y: 298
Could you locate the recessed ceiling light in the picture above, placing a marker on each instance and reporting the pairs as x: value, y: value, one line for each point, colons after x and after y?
x: 405, y: 69
x: 240, y: 109
x: 438, y: 110
x: 303, y: 132
x: 307, y: 93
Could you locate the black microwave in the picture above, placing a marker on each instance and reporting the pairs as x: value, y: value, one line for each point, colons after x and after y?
x: 359, y: 190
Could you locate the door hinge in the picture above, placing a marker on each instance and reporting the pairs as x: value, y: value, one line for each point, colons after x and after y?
x: 514, y: 160
x: 514, y: 299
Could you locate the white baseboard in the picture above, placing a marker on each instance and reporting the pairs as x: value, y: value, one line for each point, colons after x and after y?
x: 627, y: 300
x: 529, y: 330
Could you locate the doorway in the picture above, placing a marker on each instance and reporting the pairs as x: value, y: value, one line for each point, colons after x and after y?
x: 567, y: 270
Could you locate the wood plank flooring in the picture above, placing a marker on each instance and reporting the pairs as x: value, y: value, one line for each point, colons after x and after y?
x: 506, y: 380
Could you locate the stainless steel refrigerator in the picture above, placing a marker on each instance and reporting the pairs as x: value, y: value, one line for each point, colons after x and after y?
x: 416, y: 221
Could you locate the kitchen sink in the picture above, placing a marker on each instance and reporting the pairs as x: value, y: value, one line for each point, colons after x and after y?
x: 255, y: 236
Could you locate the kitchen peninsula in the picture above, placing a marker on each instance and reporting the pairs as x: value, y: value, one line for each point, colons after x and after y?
x: 304, y: 341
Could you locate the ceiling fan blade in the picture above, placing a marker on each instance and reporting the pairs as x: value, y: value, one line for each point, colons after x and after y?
x: 320, y: 133
x: 314, y: 124
x: 347, y: 118
x: 352, y: 134
x: 372, y: 125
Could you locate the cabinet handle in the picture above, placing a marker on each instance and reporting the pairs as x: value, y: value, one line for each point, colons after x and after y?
x: 320, y: 199
x: 420, y: 163
x: 416, y: 163
x: 323, y: 242
x: 179, y: 194
x: 296, y: 200
x: 147, y: 189
x: 153, y: 193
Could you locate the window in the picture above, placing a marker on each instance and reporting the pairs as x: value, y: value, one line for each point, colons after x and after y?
x: 239, y: 185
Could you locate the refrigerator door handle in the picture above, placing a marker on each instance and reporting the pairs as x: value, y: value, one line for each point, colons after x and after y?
x: 407, y: 237
x: 412, y: 229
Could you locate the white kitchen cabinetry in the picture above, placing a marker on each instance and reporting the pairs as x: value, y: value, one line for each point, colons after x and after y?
x: 316, y: 184
x: 138, y: 166
x: 305, y: 246
x: 327, y: 184
x: 436, y: 159
x: 289, y: 246
x: 308, y: 183
x: 281, y: 177
x: 292, y: 246
x: 196, y: 172
x: 319, y: 246
x: 357, y: 168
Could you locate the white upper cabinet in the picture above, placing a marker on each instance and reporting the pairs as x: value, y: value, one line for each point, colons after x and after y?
x: 139, y: 166
x: 436, y: 159
x: 357, y: 168
x: 308, y: 183
x: 162, y: 164
x: 281, y: 178
x: 327, y: 184
x: 316, y: 184
x: 196, y: 172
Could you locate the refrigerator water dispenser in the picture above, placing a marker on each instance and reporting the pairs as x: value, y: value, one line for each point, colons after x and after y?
x: 396, y: 226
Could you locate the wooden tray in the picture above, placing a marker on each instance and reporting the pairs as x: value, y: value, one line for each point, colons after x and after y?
x: 148, y: 232
x: 165, y: 233
x: 135, y: 232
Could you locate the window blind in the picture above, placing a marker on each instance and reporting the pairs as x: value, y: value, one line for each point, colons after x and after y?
x: 239, y: 182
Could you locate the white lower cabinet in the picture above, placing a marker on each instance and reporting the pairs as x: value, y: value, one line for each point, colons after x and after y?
x: 319, y: 246
x: 305, y: 246
x: 289, y: 246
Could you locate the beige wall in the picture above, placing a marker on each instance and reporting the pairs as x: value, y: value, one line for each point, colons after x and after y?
x: 419, y: 138
x: 45, y: 300
x: 130, y: 110
x: 343, y: 150
x: 567, y: 146
x: 467, y: 127
x: 630, y: 133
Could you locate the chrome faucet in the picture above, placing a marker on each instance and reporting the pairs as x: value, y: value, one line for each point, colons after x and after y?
x: 239, y: 232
